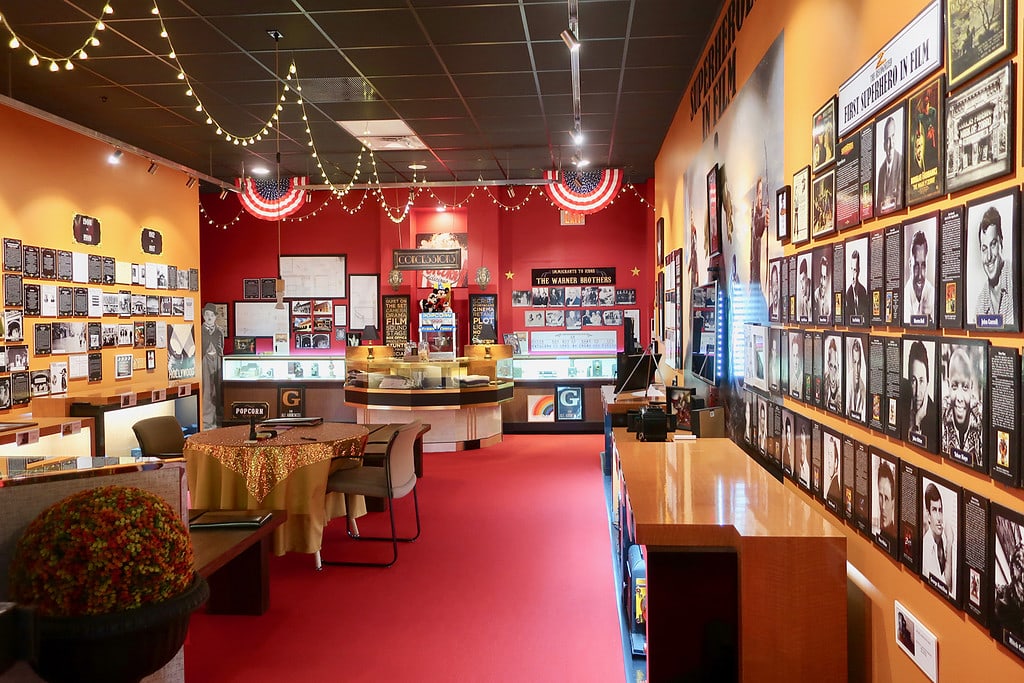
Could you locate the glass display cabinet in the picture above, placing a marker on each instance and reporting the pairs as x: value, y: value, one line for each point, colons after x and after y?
x: 310, y: 385
x: 541, y: 380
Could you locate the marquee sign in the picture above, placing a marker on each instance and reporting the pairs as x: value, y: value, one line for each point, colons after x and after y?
x: 914, y: 53
x: 543, y: 277
x: 426, y: 259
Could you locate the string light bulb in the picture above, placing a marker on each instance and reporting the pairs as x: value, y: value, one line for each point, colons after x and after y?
x: 33, y: 60
x: 14, y: 44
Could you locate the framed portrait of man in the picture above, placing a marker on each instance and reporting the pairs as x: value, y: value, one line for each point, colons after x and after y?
x: 832, y: 376
x: 822, y: 294
x: 941, y: 536
x: 805, y: 314
x: 920, y: 423
x: 832, y: 471
x: 796, y: 364
x: 856, y: 377
x: 920, y: 272
x: 992, y: 277
x: 802, y: 458
x: 885, y: 501
x: 1007, y: 566
x: 890, y: 166
x: 926, y: 130
x: 774, y: 359
x: 857, y: 302
x: 823, y: 136
x: 787, y: 445
x: 963, y: 420
x: 783, y: 203
x: 775, y: 303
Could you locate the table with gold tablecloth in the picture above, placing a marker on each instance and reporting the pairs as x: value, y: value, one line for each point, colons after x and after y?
x: 286, y: 472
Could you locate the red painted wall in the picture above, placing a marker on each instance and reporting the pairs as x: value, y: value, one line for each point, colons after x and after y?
x: 235, y: 245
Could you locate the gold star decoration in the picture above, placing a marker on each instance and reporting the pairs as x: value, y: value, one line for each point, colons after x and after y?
x: 509, y: 275
x: 636, y: 272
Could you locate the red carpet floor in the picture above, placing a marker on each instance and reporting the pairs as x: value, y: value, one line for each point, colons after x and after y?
x: 511, y: 580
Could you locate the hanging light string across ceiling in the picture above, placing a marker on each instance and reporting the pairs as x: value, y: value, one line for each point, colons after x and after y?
x: 79, y: 53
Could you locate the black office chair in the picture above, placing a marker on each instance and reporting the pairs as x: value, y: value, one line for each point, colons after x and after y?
x: 396, y: 479
x: 160, y: 437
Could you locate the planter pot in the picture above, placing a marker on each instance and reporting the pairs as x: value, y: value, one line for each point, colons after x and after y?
x: 122, y: 647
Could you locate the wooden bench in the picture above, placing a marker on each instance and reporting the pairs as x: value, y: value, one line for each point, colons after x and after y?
x: 235, y: 562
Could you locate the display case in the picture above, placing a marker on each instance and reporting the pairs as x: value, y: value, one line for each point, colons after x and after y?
x: 538, y: 381
x: 270, y: 367
x: 309, y: 385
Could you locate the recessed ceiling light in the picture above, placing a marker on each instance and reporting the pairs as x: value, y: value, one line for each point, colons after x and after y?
x: 259, y: 170
x: 417, y: 167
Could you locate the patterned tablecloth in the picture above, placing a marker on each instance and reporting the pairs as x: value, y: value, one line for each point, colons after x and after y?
x: 287, y: 472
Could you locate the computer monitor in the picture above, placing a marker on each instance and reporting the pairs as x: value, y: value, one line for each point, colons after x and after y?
x: 635, y: 371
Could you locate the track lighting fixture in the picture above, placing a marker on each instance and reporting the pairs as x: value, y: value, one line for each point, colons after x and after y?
x: 115, y: 156
x: 191, y: 182
x: 571, y: 41
x: 223, y: 195
x: 153, y: 166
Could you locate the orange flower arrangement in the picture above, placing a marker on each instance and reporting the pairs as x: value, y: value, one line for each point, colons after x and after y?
x: 102, y: 550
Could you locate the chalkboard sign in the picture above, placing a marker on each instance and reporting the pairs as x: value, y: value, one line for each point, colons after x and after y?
x: 396, y: 322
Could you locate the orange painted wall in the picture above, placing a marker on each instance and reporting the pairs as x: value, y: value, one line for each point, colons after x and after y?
x: 50, y: 174
x: 825, y: 42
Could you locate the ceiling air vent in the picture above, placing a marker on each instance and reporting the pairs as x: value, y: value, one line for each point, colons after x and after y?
x: 342, y: 89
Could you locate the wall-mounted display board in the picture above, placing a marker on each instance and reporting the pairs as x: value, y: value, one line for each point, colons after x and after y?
x: 322, y: 276
x: 396, y: 322
x: 260, y: 319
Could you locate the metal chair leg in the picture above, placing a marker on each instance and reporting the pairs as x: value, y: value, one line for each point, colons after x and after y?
x: 394, y: 539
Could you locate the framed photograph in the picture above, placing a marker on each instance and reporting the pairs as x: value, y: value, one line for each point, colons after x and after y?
x: 522, y: 298
x: 1007, y: 567
x: 659, y: 240
x: 823, y: 136
x: 926, y: 131
x: 832, y: 378
x: 796, y: 364
x: 123, y: 366
x: 150, y: 360
x: 569, y: 403
x: 244, y: 345
x: 920, y: 422
x: 980, y: 130
x: 756, y: 375
x: 823, y: 262
x: 964, y: 389
x: 856, y: 376
x: 823, y: 204
x: 856, y: 302
x: 363, y: 296
x: 775, y: 290
x: 805, y: 314
x: 885, y: 501
x: 992, y: 277
x: 802, y: 455
x: 941, y: 535
x: 920, y: 272
x: 890, y: 166
x: 977, y: 36
x: 714, y: 213
x: 831, y: 444
x: 801, y: 206
x: 783, y: 199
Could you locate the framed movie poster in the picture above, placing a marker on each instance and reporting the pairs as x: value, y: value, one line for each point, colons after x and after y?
x: 992, y: 272
x: 926, y: 131
x: 823, y: 204
x: 976, y: 38
x: 941, y: 536
x: 1007, y: 563
x: 856, y: 302
x: 1004, y: 375
x: 963, y: 426
x: 920, y: 272
x: 920, y: 423
x: 856, y: 377
x: 569, y: 403
x: 885, y: 501
x: 979, y: 130
x: 714, y: 213
x: 801, y: 206
x: 848, y: 182
x: 823, y: 136
x: 783, y: 199
x: 890, y: 166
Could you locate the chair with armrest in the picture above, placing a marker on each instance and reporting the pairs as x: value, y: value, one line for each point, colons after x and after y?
x: 396, y: 479
x: 160, y: 437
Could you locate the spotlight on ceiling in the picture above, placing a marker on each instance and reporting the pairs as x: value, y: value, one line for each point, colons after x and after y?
x: 115, y: 157
x: 191, y: 182
x: 417, y: 167
x: 571, y: 41
x: 259, y: 170
x: 152, y: 168
x: 223, y: 195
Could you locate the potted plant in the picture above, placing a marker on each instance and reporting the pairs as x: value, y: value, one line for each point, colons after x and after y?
x: 105, y: 583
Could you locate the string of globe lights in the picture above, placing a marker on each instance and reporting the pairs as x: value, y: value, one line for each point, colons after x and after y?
x: 36, y: 59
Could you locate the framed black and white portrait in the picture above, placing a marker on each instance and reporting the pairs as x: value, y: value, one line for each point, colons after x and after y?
x: 992, y: 277
x: 832, y: 471
x: 774, y: 359
x: 1007, y: 567
x: 832, y: 375
x: 963, y: 422
x: 890, y: 165
x: 856, y: 377
x: 920, y: 272
x: 775, y: 289
x: 802, y: 461
x: 805, y: 314
x: 980, y: 130
x: 920, y: 413
x: 856, y: 301
x: 822, y: 294
x: 783, y: 202
x: 885, y: 501
x: 787, y: 446
x: 801, y: 203
x: 796, y: 364
x: 940, y: 535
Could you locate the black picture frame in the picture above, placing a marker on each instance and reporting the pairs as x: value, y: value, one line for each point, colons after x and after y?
x: 823, y: 204
x: 964, y: 402
x: 268, y: 288
x: 926, y: 147
x: 833, y: 387
x: 659, y: 239
x: 250, y: 288
x: 856, y: 297
x: 244, y: 345
x: 966, y: 55
x: 890, y: 150
x: 800, y: 211
x: 714, y: 213
x: 856, y: 399
x: 919, y: 269
x: 569, y: 403
x: 823, y: 136
x: 885, y: 501
x: 981, y: 311
x: 795, y: 341
x: 940, y: 504
x: 775, y: 302
x: 832, y: 471
x: 919, y: 392
x: 983, y: 114
x: 1006, y: 545
x: 783, y: 202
